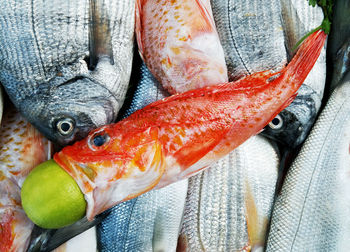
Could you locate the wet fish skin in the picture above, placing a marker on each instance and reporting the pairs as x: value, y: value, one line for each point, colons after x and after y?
x: 251, y: 35
x: 339, y: 36
x: 312, y: 211
x: 216, y: 212
x: 260, y: 35
x: 43, y: 68
x: 22, y: 147
x: 156, y: 154
x: 179, y: 43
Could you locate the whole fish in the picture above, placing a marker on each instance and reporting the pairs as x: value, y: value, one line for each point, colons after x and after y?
x: 178, y: 136
x: 258, y: 35
x: 179, y: 43
x: 338, y: 45
x: 22, y: 148
x: 312, y: 212
x: 150, y: 222
x: 66, y: 69
x: 228, y: 206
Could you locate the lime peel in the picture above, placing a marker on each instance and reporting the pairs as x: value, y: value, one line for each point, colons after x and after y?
x: 51, y: 198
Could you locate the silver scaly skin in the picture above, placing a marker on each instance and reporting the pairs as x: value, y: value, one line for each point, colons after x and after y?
x: 312, y: 212
x: 66, y: 64
x: 151, y: 222
x: 258, y: 36
x: 228, y: 205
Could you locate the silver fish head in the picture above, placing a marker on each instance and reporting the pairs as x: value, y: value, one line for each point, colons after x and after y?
x: 71, y: 110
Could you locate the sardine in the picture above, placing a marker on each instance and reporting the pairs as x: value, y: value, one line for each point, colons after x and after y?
x: 179, y: 43
x: 312, y: 212
x: 176, y: 137
x: 339, y: 40
x: 151, y: 222
x: 22, y: 147
x: 228, y: 206
x: 259, y: 35
x: 66, y: 65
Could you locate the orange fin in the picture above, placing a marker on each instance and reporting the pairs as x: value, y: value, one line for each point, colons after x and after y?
x: 205, y: 10
x: 138, y: 26
x: 256, y: 225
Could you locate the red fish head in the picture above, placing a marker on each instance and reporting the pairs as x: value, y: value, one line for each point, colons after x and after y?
x: 114, y: 163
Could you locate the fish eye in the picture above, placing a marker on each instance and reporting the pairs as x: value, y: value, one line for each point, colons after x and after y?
x: 276, y: 123
x: 65, y: 126
x: 98, y: 140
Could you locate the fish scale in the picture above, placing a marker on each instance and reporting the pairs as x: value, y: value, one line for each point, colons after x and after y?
x: 312, y: 211
x: 69, y: 63
x: 251, y: 35
x: 215, y: 211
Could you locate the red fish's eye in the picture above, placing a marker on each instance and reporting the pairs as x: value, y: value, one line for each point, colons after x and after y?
x: 98, y: 140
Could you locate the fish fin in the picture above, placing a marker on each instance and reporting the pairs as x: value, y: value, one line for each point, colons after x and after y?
x: 255, y: 228
x: 138, y: 13
x: 205, y: 10
x: 100, y: 40
x: 305, y: 58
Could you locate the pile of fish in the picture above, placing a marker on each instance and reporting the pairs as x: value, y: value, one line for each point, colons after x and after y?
x: 73, y: 69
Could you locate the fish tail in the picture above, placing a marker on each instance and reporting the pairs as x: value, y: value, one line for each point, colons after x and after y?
x: 138, y: 26
x: 305, y: 58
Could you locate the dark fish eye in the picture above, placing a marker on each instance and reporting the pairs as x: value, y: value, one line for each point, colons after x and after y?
x: 65, y: 126
x: 276, y: 123
x: 98, y: 140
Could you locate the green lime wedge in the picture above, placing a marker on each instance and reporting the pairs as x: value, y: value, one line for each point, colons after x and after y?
x: 51, y: 198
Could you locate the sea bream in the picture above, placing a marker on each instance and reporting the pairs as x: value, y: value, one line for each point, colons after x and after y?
x: 312, y: 212
x: 22, y: 147
x: 228, y: 205
x: 260, y: 35
x: 178, y: 136
x: 179, y: 43
x: 150, y: 222
x: 66, y: 65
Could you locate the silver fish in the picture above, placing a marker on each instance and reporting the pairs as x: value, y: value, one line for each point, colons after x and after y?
x: 66, y: 65
x: 228, y: 205
x: 338, y: 46
x: 258, y: 36
x: 151, y: 222
x: 312, y: 212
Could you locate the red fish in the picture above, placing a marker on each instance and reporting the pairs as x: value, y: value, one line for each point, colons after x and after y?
x: 178, y: 136
x: 179, y: 43
x: 22, y: 148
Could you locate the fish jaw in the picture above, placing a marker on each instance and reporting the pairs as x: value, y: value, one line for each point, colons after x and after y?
x: 134, y: 172
x: 184, y: 52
